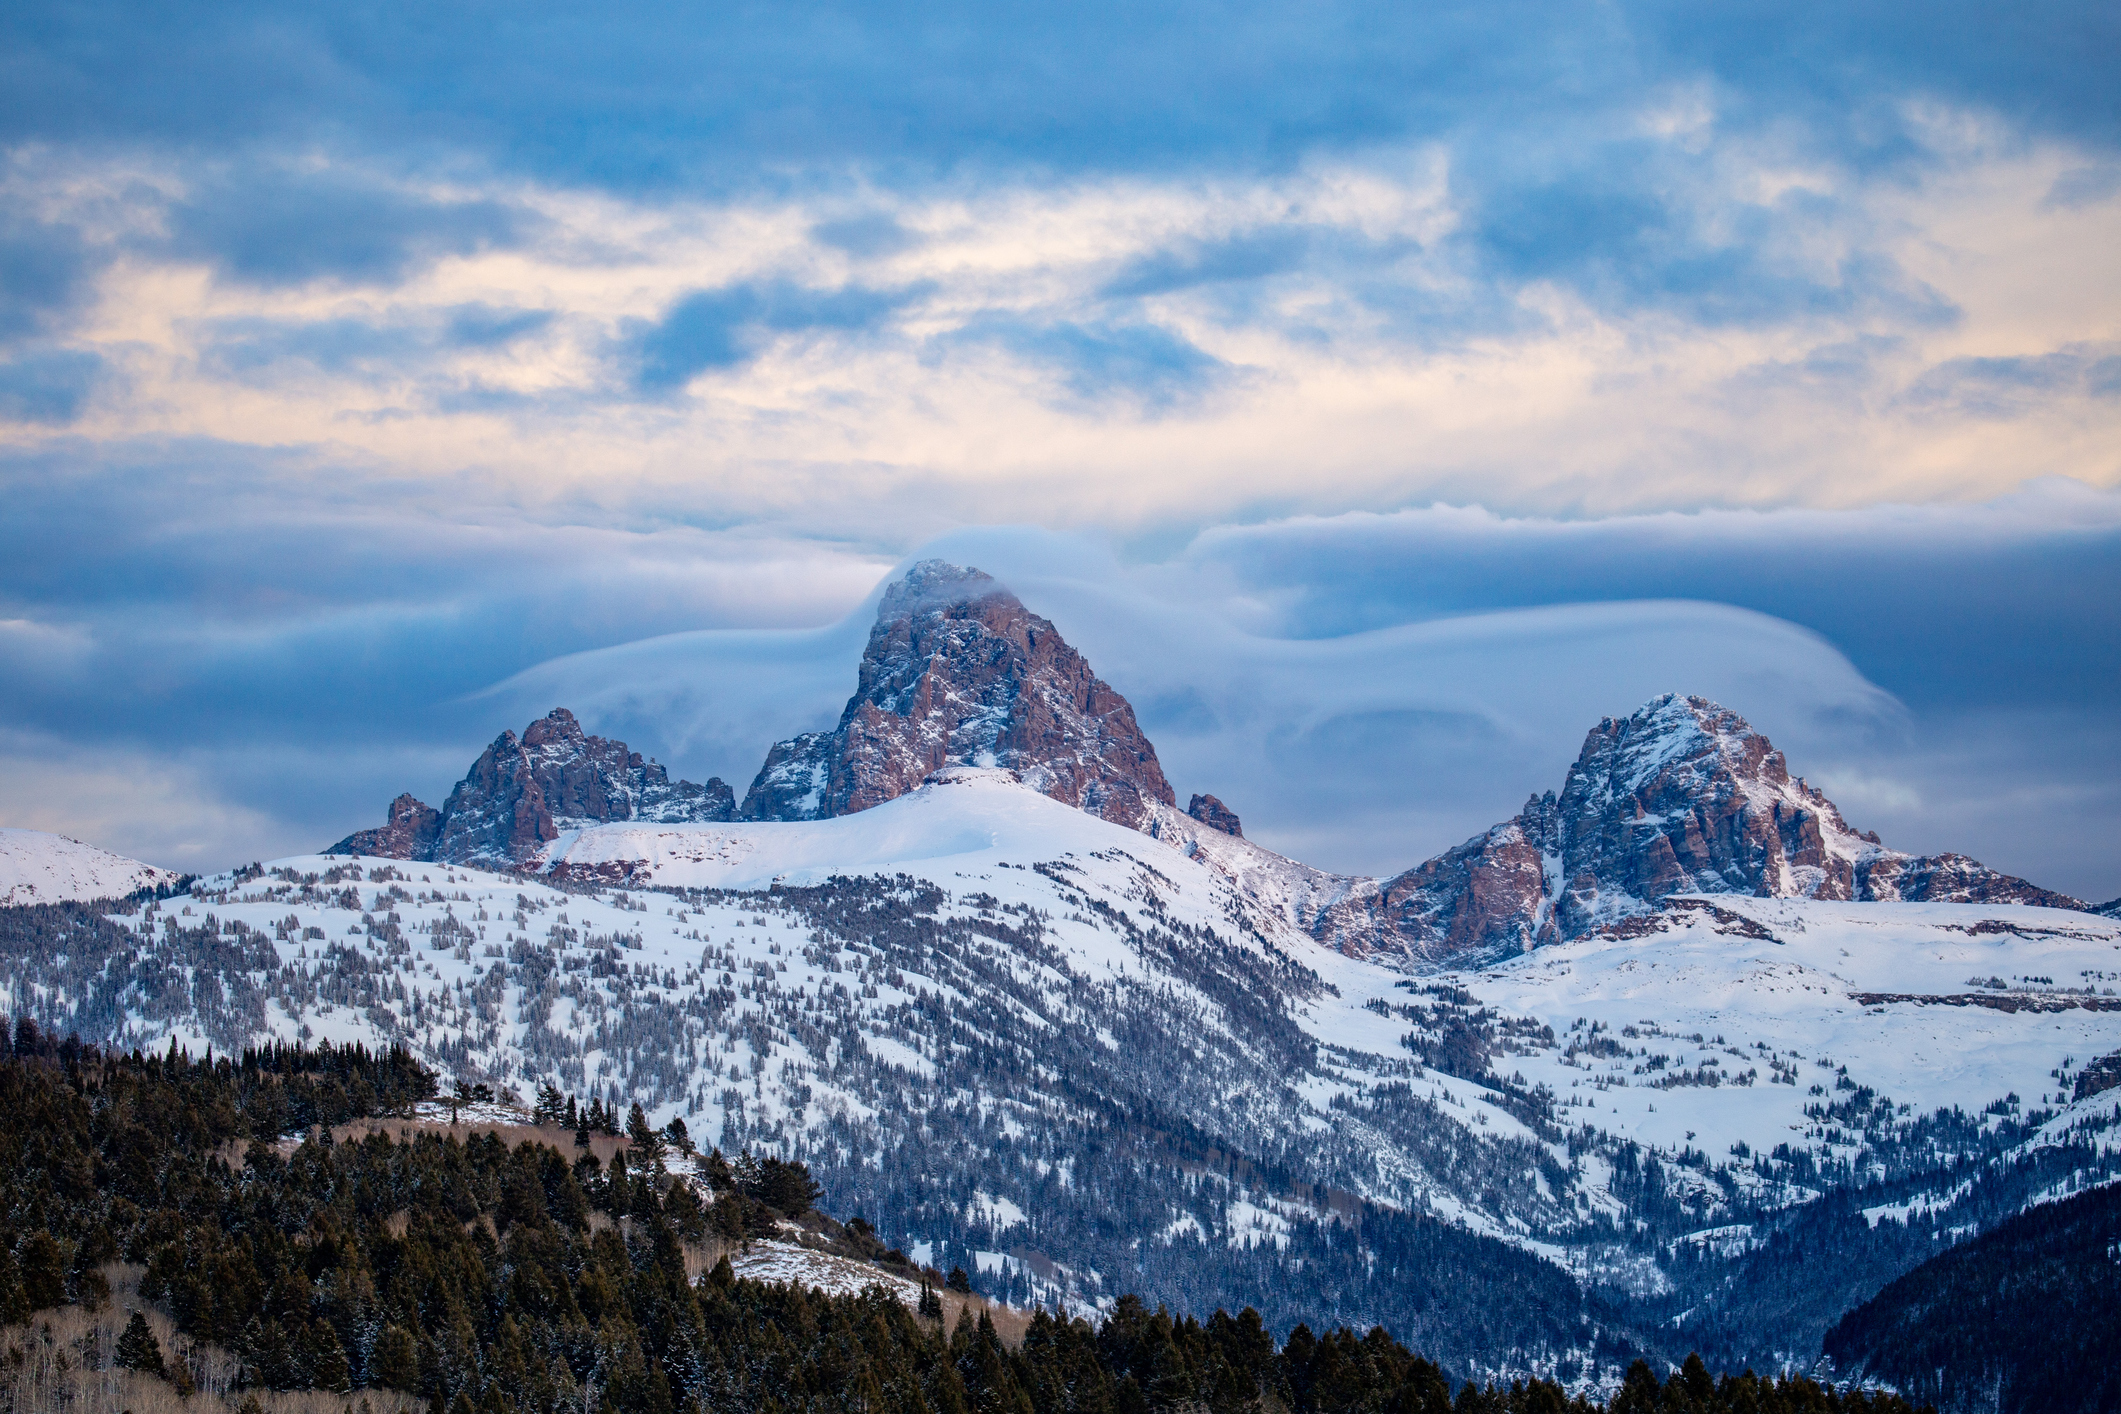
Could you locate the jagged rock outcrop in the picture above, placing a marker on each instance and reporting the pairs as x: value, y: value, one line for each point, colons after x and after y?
x: 522, y: 793
x: 957, y: 672
x: 1215, y: 815
x: 1949, y: 878
x: 408, y: 833
x: 1682, y: 797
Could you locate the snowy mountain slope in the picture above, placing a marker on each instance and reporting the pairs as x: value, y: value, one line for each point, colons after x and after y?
x: 1804, y: 978
x: 972, y: 815
x: 1277, y: 888
x: 36, y: 867
x: 1000, y: 1025
x: 1930, y: 1006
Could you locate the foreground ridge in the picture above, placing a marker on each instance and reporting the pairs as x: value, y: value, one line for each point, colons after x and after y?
x: 487, y: 1271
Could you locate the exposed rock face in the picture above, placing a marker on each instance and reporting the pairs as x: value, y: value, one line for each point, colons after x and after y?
x: 1683, y: 797
x: 1950, y: 878
x: 1484, y: 898
x: 522, y: 793
x: 409, y: 833
x: 1215, y: 815
x: 2099, y: 1076
x: 958, y: 672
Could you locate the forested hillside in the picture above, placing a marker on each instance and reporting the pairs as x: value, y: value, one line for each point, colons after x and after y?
x: 2026, y: 1317
x: 479, y: 1277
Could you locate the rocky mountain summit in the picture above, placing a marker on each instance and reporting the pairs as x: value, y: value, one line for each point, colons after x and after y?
x: 957, y: 672
x: 522, y: 792
x: 1681, y: 797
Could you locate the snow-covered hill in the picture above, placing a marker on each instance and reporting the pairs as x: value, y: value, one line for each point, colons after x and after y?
x: 1725, y: 1025
x: 36, y: 867
x: 1083, y: 1059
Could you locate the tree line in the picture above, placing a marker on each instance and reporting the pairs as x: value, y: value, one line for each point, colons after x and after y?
x: 489, y: 1278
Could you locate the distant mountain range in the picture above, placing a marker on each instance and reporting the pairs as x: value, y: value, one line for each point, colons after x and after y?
x: 1681, y: 797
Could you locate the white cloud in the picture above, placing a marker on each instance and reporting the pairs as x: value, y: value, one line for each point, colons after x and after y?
x: 1382, y: 363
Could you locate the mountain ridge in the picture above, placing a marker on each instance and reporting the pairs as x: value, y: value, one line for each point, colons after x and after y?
x: 523, y: 792
x: 40, y: 867
x: 1680, y: 796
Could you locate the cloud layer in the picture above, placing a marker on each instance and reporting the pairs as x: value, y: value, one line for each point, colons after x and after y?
x: 352, y: 362
x: 1365, y: 689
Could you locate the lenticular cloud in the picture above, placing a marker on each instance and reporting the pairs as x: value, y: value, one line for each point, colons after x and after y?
x: 1364, y: 751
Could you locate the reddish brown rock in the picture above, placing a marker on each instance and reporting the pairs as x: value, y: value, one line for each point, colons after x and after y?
x: 521, y: 793
x: 957, y: 672
x: 1954, y: 878
x: 1682, y: 797
x: 1215, y: 815
x: 409, y: 833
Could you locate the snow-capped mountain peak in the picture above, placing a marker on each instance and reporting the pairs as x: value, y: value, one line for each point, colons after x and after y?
x: 957, y: 672
x: 1681, y: 796
x: 523, y: 792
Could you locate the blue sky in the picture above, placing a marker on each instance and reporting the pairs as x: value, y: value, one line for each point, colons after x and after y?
x: 353, y: 362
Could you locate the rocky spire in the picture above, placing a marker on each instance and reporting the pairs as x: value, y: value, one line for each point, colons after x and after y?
x: 522, y: 792
x: 957, y: 672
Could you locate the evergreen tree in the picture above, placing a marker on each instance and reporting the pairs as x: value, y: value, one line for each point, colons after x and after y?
x: 43, y: 1266
x: 14, y: 1304
x: 137, y: 1347
x: 396, y: 1361
x: 647, y: 1143
x: 471, y: 1274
